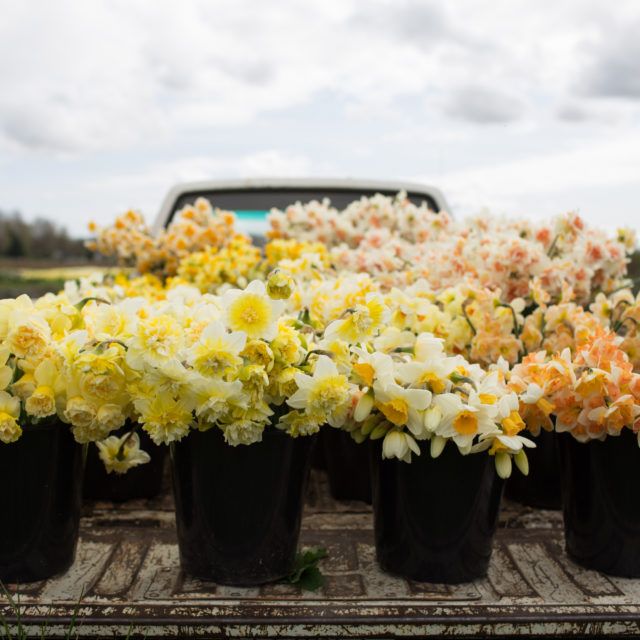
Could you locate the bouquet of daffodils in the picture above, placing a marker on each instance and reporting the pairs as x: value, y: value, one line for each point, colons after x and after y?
x: 592, y: 392
x: 403, y: 385
x: 194, y: 228
x: 53, y: 370
x: 234, y: 362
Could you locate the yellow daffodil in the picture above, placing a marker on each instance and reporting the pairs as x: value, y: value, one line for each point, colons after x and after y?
x: 10, y: 430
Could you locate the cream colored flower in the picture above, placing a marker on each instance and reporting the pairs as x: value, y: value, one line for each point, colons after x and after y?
x: 119, y: 454
x: 6, y: 372
x: 29, y: 334
x: 361, y: 321
x: 399, y: 444
x: 10, y: 430
x: 80, y: 412
x: 252, y: 311
x: 326, y: 392
x: 402, y: 406
x: 109, y: 418
x: 217, y: 352
x: 44, y: 399
x: 297, y: 424
x: 155, y: 340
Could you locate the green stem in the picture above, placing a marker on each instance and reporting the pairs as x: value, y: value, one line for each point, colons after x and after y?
x: 516, y: 328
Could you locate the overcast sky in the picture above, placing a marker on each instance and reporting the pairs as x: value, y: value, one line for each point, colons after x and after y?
x: 524, y: 110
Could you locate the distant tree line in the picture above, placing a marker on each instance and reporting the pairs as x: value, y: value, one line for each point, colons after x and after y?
x: 38, y: 239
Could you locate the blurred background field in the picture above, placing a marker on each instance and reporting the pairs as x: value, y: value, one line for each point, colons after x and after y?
x: 35, y: 278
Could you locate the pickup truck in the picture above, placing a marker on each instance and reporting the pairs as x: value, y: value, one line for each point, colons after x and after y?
x: 252, y: 199
x: 126, y: 578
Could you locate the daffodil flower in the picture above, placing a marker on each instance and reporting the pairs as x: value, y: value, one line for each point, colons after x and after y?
x: 399, y: 444
x: 119, y: 454
x: 402, y: 406
x: 10, y: 430
x: 252, y: 311
x: 325, y: 392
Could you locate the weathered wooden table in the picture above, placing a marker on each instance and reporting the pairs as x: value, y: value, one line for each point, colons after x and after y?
x: 127, y: 569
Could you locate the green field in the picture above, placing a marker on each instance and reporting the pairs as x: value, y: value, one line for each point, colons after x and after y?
x: 38, y: 280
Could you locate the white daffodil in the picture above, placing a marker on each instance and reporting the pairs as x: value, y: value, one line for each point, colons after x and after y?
x: 402, y: 406
x: 217, y: 352
x: 373, y: 366
x: 252, y: 311
x: 364, y: 406
x: 463, y: 421
x: 393, y: 338
x: 399, y: 444
x: 326, y: 391
x: 428, y: 348
x: 361, y: 322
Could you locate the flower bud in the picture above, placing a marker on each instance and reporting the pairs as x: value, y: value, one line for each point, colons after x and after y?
x: 432, y: 418
x: 437, y: 445
x: 280, y: 285
x: 364, y: 406
x: 503, y: 464
x: 522, y: 462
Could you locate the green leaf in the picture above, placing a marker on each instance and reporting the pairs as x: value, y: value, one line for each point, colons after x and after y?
x: 311, y: 579
x: 305, y: 572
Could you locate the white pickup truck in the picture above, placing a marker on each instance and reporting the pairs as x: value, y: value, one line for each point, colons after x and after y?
x: 252, y: 199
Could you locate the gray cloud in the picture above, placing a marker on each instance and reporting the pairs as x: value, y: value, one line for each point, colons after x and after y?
x: 573, y: 112
x: 483, y: 105
x: 613, y: 70
x: 417, y: 22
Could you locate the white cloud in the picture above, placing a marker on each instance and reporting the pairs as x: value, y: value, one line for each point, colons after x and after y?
x: 503, y: 103
x: 98, y: 76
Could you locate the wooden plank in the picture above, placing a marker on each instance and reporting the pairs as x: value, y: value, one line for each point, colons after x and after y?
x: 544, y: 574
x: 159, y: 573
x: 504, y: 576
x: 90, y: 560
x: 382, y: 584
x: 122, y: 568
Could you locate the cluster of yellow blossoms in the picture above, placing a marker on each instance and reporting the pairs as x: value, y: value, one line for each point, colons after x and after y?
x: 243, y: 361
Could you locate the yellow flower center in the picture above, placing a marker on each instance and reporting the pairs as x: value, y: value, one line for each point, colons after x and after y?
x: 250, y: 313
x: 395, y: 411
x: 330, y: 392
x: 465, y: 423
x: 487, y: 398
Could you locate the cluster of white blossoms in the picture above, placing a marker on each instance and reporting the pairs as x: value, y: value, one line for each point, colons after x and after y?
x: 398, y: 243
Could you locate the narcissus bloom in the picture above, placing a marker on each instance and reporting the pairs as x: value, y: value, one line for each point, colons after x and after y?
x: 120, y: 454
x: 252, y: 311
